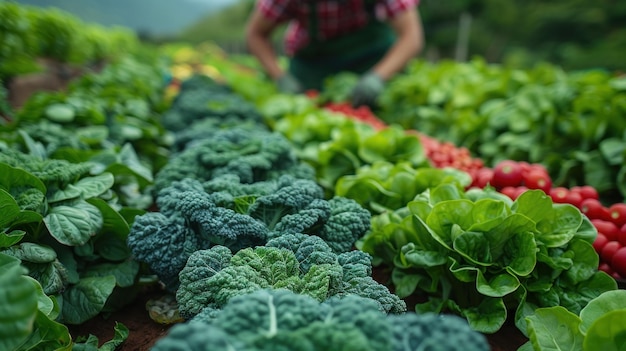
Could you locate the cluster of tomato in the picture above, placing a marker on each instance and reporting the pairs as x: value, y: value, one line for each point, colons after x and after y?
x: 512, y: 178
x: 361, y: 113
x: 444, y: 154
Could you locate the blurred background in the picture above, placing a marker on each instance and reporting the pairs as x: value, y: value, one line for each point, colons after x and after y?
x: 575, y: 34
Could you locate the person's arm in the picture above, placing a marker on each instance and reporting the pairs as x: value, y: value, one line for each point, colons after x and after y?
x: 409, y: 42
x: 258, y: 34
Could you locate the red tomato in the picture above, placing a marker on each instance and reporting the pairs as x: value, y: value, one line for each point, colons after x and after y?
x: 609, y: 250
x: 559, y: 194
x: 520, y: 190
x: 509, y: 191
x: 483, y: 177
x: 618, y: 262
x: 539, y: 166
x: 587, y: 192
x: 574, y: 198
x: 621, y: 236
x: 606, y: 268
x: 507, y: 173
x: 607, y: 228
x: 599, y: 242
x: 525, y: 166
x: 592, y: 208
x: 617, y: 213
x: 537, y: 179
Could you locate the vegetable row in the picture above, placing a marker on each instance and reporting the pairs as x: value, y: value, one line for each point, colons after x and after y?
x: 77, y: 167
x: 29, y: 35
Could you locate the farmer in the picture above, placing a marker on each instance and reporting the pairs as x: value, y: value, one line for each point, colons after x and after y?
x: 374, y: 38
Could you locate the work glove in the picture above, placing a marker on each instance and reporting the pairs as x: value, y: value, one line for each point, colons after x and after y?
x: 289, y: 84
x: 367, y: 89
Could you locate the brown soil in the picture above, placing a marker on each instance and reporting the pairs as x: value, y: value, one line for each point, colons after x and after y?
x: 143, y: 331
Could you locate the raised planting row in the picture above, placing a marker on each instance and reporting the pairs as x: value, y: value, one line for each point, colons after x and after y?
x: 76, y: 168
x: 241, y: 218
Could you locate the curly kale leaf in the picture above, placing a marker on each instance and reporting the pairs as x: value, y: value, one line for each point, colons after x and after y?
x: 279, y: 319
x: 253, y: 155
x: 197, y: 337
x: 162, y: 243
x: 430, y: 331
x: 212, y: 277
x: 214, y: 225
x: 298, y: 206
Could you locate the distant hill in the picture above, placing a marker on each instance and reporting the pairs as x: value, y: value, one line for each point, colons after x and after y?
x: 153, y: 17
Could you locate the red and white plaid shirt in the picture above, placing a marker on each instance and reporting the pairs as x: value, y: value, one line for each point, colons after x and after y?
x: 334, y: 17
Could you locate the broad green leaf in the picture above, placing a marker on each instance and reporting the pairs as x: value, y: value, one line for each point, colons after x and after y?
x: 519, y: 254
x: 11, y: 177
x: 11, y: 238
x: 46, y: 304
x: 94, y: 186
x: 447, y: 214
x: 73, y: 225
x: 488, y: 317
x: 585, y: 261
x: 446, y: 192
x: 587, y: 231
x: 111, y: 247
x: 576, y: 297
x: 50, y: 275
x: 606, y: 302
x: 86, y: 299
x: 509, y: 229
x: 496, y: 285
x: 414, y: 256
x: 61, y: 113
x: 32, y: 252
x: 124, y: 272
x: 534, y: 204
x: 47, y: 335
x: 463, y: 272
x: 561, y: 227
x: 9, y: 209
x: 607, y: 333
x: 405, y: 282
x: 67, y: 193
x: 18, y: 303
x: 554, y: 328
x: 474, y: 247
x: 113, y: 223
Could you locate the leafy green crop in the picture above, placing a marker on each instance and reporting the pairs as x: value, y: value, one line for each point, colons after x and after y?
x: 70, y: 239
x: 599, y: 326
x: 483, y: 257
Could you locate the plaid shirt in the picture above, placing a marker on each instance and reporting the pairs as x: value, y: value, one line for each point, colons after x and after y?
x: 334, y: 17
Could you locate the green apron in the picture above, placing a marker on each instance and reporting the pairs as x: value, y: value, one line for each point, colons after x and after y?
x: 355, y: 52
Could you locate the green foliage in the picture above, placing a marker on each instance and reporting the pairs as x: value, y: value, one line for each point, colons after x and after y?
x: 253, y: 154
x: 599, y: 324
x: 70, y: 239
x: 568, y: 121
x: 300, y: 263
x: 484, y: 258
x: 200, y: 99
x: 384, y: 186
x: 30, y: 33
x: 279, y: 319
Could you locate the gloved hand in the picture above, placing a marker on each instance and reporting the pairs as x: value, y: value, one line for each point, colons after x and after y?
x: 367, y: 89
x: 289, y: 84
